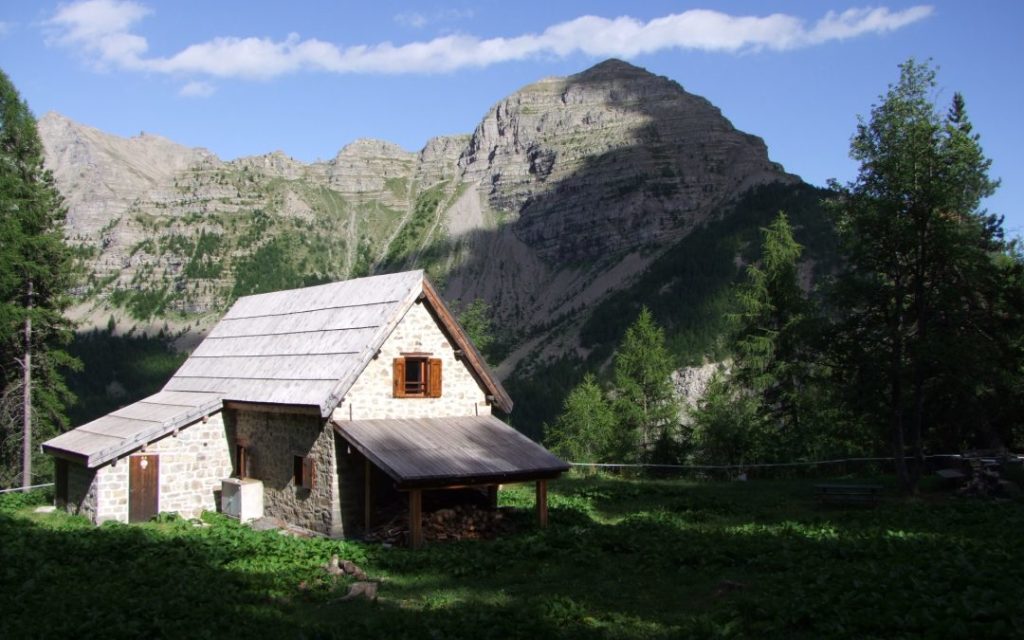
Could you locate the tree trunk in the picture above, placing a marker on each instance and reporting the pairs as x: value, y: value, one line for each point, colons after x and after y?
x: 26, y: 444
x: 918, y: 354
x: 896, y: 417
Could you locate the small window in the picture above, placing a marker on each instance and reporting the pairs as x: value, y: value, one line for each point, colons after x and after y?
x: 241, y: 461
x: 417, y: 377
x: 303, y: 472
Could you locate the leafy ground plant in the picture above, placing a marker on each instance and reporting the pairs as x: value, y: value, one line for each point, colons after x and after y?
x: 622, y: 559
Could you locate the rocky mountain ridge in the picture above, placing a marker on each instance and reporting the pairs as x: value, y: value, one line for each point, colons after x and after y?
x: 565, y: 191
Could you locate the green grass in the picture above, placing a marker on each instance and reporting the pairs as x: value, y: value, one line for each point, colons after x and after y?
x: 621, y: 559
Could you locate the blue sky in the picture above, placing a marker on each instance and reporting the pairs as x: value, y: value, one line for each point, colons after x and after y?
x: 244, y: 77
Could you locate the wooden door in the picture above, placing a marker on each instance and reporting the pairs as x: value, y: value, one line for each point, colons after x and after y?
x: 143, y: 487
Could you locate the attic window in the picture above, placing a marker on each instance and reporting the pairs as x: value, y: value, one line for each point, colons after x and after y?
x: 417, y: 377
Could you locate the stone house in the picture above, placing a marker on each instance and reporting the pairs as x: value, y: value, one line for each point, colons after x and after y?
x: 308, y: 405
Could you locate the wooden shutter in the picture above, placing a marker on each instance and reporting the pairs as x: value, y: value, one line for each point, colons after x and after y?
x: 308, y: 472
x: 434, y: 378
x: 398, y: 377
x: 241, y: 461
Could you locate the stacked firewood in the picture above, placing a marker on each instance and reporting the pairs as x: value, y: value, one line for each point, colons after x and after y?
x: 460, y: 522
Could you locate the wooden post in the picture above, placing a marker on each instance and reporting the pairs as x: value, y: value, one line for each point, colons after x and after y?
x: 492, y: 497
x: 416, y: 518
x: 542, y: 503
x: 367, y: 496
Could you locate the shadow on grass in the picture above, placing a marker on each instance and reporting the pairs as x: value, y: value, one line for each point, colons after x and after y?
x: 686, y: 560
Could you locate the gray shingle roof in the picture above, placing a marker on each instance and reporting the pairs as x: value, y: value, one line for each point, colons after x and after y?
x: 132, y: 426
x: 300, y: 347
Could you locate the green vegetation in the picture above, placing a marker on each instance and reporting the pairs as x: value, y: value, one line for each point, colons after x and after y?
x: 911, y: 343
x: 927, y: 334
x: 621, y: 559
x: 645, y: 408
x: 272, y: 267
x: 768, y: 406
x: 117, y: 370
x: 413, y: 233
x: 689, y: 291
x: 586, y: 429
x: 37, y: 269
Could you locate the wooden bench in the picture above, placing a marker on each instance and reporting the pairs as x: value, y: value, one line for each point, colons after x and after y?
x: 860, y: 494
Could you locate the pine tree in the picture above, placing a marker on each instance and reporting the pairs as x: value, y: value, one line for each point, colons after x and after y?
x: 36, y: 272
x: 921, y: 279
x: 644, y: 404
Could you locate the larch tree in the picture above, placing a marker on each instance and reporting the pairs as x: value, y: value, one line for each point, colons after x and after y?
x: 921, y: 280
x: 772, y: 308
x: 585, y: 430
x: 753, y: 411
x: 645, y: 405
x: 36, y: 273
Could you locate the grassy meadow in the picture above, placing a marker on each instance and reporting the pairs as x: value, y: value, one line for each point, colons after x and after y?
x: 623, y: 558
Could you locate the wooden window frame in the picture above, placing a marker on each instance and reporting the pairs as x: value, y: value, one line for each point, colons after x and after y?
x: 304, y: 472
x: 243, y: 460
x: 430, y: 381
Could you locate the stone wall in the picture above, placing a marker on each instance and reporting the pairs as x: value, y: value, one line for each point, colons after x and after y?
x: 191, y: 467
x: 272, y: 441
x: 81, y: 491
x: 372, y: 395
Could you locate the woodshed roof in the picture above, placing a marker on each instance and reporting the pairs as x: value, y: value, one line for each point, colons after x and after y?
x: 425, y: 452
x: 303, y: 347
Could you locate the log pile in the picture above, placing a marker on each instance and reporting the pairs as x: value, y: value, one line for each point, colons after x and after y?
x: 460, y: 522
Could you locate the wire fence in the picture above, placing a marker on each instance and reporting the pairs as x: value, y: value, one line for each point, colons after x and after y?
x: 28, y: 488
x: 805, y: 468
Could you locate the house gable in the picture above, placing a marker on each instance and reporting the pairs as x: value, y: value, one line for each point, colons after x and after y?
x: 417, y: 335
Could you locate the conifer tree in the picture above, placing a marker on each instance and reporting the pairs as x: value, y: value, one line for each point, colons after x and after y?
x: 585, y: 430
x: 36, y: 272
x: 754, y: 411
x: 644, y: 404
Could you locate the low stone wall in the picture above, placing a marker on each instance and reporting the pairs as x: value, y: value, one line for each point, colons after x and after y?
x: 272, y: 441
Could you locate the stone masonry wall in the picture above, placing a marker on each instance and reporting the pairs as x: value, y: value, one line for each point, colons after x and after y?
x: 272, y: 441
x: 372, y: 395
x: 191, y: 467
x: 81, y: 491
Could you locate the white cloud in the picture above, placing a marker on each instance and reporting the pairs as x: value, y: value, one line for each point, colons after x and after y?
x: 197, y: 89
x: 102, y: 29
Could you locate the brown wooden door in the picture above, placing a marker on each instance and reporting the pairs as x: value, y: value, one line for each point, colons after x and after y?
x: 143, y: 487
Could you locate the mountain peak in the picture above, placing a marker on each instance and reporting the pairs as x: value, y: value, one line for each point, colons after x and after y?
x: 613, y: 67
